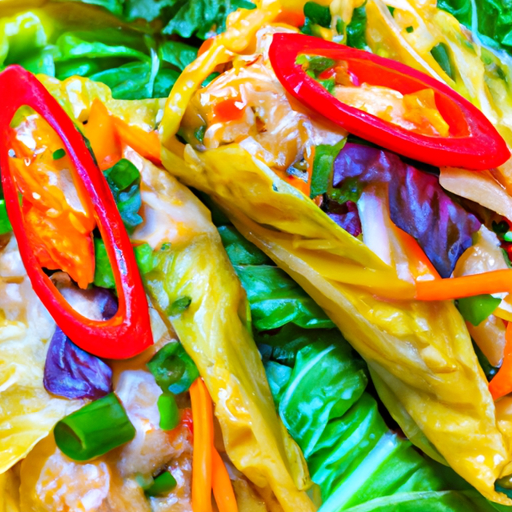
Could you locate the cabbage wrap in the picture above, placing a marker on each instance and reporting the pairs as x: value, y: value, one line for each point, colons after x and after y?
x: 213, y: 330
x: 28, y: 412
x: 421, y: 351
x: 189, y: 261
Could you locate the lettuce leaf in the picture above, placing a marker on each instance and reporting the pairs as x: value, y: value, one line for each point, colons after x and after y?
x: 76, y: 38
x: 493, y: 19
x: 202, y: 17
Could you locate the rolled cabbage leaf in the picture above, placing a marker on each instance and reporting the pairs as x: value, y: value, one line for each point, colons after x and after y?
x: 319, y: 382
x: 190, y: 262
x: 421, y: 351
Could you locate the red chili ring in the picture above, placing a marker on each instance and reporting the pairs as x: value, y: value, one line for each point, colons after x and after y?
x: 474, y: 143
x: 128, y: 333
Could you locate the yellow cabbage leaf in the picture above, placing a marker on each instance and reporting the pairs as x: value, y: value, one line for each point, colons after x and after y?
x: 421, y: 351
x: 193, y: 269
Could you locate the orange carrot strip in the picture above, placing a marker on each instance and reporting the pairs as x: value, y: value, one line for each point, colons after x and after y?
x: 222, y: 487
x: 147, y: 144
x: 231, y: 109
x: 495, y: 281
x: 202, y: 415
x: 293, y: 18
x: 207, y: 44
x: 101, y: 132
x: 501, y: 384
x: 415, y: 254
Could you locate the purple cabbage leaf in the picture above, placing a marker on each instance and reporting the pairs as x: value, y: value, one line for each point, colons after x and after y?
x: 71, y: 372
x: 418, y: 204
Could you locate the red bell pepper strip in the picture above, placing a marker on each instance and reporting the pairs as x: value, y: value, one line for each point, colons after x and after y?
x: 128, y: 333
x: 473, y: 142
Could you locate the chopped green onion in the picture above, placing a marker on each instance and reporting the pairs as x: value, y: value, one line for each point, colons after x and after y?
x: 318, y: 14
x: 60, y: 153
x: 179, y: 306
x: 5, y: 225
x: 323, y: 166
x: 440, y: 53
x: 199, y: 133
x: 169, y: 412
x: 144, y: 481
x: 476, y: 309
x: 173, y: 368
x: 162, y: 485
x: 124, y: 182
x: 103, y: 274
x: 94, y: 429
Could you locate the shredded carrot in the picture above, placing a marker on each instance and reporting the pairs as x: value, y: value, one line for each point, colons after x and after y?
x: 202, y: 414
x: 419, y: 262
x: 101, y: 132
x: 207, y: 44
x: 222, y: 487
x: 230, y: 109
x: 501, y: 384
x: 293, y: 18
x: 147, y: 144
x: 495, y: 281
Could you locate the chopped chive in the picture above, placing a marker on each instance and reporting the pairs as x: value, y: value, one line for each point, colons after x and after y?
x: 173, y: 369
x: 169, y: 412
x: 94, y: 430
x: 60, y: 153
x: 179, y: 305
x: 409, y: 30
x: 162, y: 485
x: 5, y: 225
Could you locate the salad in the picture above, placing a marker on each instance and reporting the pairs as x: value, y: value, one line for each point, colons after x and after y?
x: 320, y: 322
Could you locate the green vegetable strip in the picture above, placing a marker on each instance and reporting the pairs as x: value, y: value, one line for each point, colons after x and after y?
x: 103, y: 275
x: 124, y: 182
x: 94, y: 430
x: 169, y: 412
x: 5, y: 225
x: 162, y: 485
x: 321, y: 179
x: 318, y: 383
x: 476, y: 309
x: 173, y: 369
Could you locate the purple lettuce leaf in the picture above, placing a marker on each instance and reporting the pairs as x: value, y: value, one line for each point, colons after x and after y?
x: 345, y: 215
x: 71, y: 372
x: 418, y: 204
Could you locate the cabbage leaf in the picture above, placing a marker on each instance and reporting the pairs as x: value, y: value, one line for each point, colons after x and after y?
x: 319, y: 387
x: 421, y: 351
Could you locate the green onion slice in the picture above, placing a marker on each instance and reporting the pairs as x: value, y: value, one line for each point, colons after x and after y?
x: 169, y: 412
x: 94, y: 429
x: 162, y: 485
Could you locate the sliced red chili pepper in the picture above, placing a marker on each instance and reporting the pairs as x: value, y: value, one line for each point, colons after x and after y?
x: 128, y: 332
x: 473, y: 142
